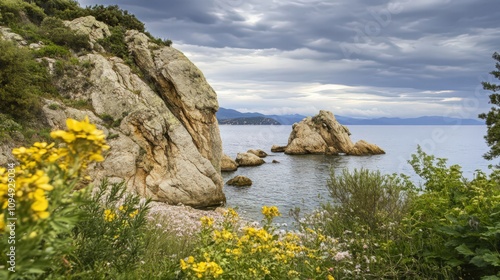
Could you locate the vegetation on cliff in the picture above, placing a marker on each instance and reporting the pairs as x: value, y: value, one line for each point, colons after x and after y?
x: 25, y: 78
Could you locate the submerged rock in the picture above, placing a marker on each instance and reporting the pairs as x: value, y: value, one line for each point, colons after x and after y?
x: 240, y: 181
x: 322, y: 134
x: 248, y: 159
x: 228, y: 164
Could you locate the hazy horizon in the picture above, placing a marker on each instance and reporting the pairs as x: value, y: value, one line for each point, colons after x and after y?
x: 359, y: 58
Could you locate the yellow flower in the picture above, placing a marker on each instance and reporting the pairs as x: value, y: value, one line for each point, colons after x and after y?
x: 109, y: 215
x: 133, y: 214
x: 184, y: 266
x: 63, y: 135
x: 40, y: 204
x: 206, y: 221
x: 270, y: 212
x: 293, y: 273
x: 330, y: 277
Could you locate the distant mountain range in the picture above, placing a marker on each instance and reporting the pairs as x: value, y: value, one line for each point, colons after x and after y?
x: 233, y: 117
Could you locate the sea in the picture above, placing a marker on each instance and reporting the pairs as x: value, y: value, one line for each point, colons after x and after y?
x: 300, y: 181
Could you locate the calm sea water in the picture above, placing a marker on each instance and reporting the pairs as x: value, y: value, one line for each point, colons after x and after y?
x: 300, y: 181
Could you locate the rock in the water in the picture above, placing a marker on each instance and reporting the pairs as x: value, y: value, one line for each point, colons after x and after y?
x: 248, y: 159
x: 258, y: 152
x: 278, y: 149
x: 240, y: 181
x: 275, y: 161
x: 364, y: 148
x: 322, y: 134
x: 228, y: 164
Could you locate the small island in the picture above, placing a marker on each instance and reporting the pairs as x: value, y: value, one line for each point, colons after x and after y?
x: 323, y: 134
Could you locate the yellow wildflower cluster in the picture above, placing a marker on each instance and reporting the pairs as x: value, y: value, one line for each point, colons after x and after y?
x: 83, y: 140
x: 206, y: 269
x: 207, y: 221
x: 254, y: 253
x: 43, y: 166
x: 270, y: 212
x: 109, y: 215
x: 30, y: 189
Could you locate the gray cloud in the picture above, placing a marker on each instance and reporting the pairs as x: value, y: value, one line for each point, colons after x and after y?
x: 406, y: 57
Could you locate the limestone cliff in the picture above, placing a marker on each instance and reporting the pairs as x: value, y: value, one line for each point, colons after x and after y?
x: 165, y: 140
x: 322, y: 134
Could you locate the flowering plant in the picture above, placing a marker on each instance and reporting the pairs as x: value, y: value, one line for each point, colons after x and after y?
x: 39, y: 203
x: 229, y: 251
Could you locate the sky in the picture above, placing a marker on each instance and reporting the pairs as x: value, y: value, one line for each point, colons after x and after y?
x: 357, y: 58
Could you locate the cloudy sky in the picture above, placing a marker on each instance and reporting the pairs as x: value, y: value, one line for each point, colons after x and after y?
x: 358, y: 58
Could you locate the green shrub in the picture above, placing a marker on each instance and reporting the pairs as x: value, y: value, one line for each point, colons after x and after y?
x: 462, y: 216
x: 114, y: 16
x: 15, y: 11
x: 55, y: 30
x: 22, y: 80
x: 55, y: 7
x: 368, y: 199
x: 30, y: 32
x: 365, y: 217
x: 53, y: 51
x: 115, y: 43
x: 7, y: 126
x: 111, y: 236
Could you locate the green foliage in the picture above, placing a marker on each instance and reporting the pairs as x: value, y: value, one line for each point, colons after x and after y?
x: 115, y: 43
x: 365, y: 217
x: 163, y: 250
x: 462, y: 215
x: 7, y: 126
x: 22, y: 80
x: 367, y: 198
x: 54, y: 29
x: 111, y: 236
x: 16, y: 11
x: 493, y: 116
x: 55, y: 7
x: 53, y: 51
x: 114, y: 16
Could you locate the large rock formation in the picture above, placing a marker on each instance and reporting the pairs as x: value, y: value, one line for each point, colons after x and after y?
x: 163, y: 133
x: 322, y: 134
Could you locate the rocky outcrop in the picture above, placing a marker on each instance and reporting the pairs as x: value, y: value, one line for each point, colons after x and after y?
x: 364, y: 148
x: 228, y: 164
x: 183, y: 89
x: 240, y: 181
x: 260, y: 153
x: 164, y: 138
x: 322, y: 134
x: 89, y: 26
x: 248, y: 159
x: 278, y: 149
